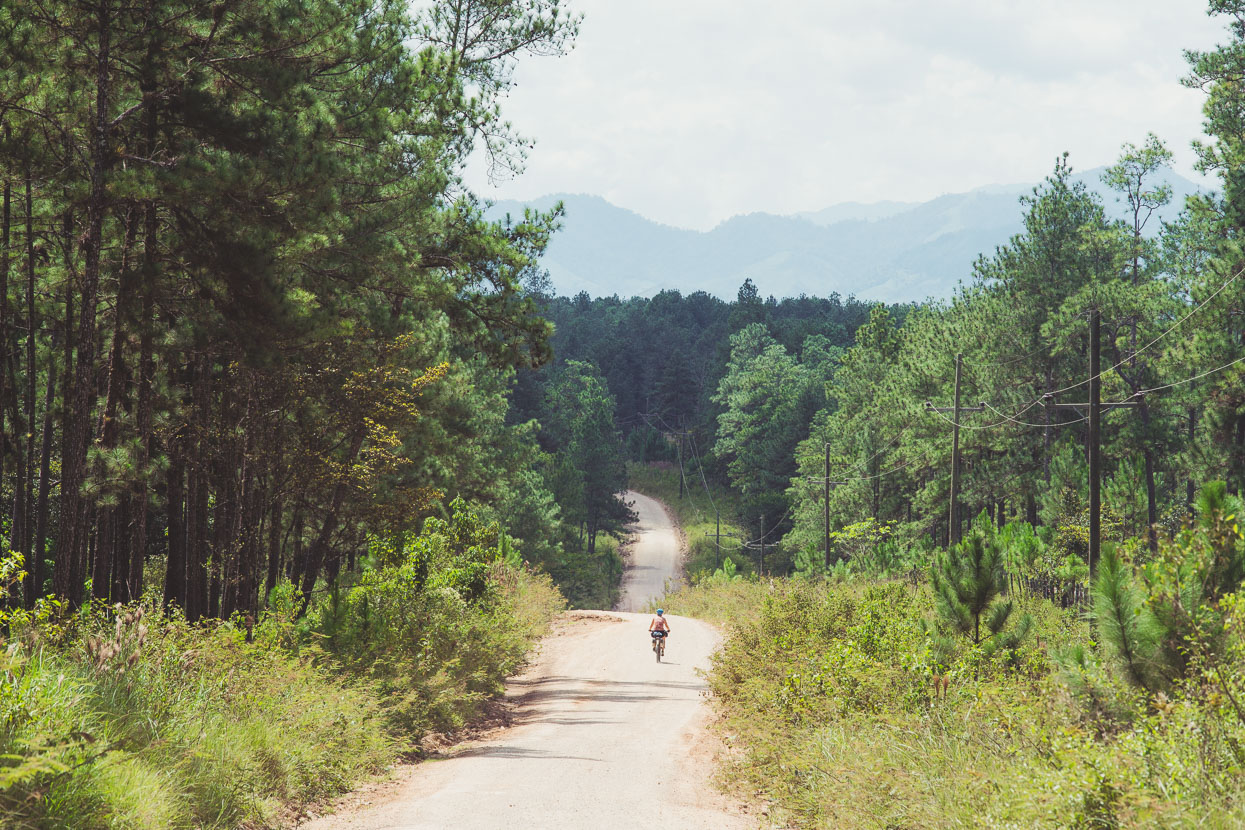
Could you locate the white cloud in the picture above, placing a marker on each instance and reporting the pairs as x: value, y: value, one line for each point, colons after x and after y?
x: 692, y: 111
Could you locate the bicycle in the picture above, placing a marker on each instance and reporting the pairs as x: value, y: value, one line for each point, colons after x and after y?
x: 659, y: 643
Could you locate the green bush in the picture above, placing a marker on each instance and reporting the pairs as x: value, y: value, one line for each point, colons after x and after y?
x: 824, y: 696
x: 438, y: 620
x: 137, y: 720
x: 127, y: 718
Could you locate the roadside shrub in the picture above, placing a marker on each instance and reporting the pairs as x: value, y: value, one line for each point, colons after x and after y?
x: 967, y: 581
x: 438, y: 620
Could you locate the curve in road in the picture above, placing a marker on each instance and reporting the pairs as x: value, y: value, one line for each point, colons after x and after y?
x: 603, y: 736
x: 655, y: 559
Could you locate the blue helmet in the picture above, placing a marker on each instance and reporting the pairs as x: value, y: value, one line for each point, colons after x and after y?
x: 659, y: 612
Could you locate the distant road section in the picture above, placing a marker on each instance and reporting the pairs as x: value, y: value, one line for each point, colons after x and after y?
x: 603, y: 736
x: 654, y: 558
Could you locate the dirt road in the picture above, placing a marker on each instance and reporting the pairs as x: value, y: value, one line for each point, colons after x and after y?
x: 604, y: 737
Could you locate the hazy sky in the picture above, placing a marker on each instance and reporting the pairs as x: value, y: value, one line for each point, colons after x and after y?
x: 692, y: 111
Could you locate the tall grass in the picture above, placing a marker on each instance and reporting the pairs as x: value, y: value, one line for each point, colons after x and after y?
x: 826, y: 696
x: 128, y: 718
x: 184, y: 726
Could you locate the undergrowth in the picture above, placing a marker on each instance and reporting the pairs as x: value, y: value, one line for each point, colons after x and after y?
x: 828, y: 699
x: 589, y: 579
x: 126, y: 717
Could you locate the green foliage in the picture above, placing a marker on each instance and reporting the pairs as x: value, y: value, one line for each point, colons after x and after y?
x: 967, y: 579
x: 827, y: 706
x: 1126, y: 624
x: 1023, y: 549
x: 440, y: 622
x: 767, y: 397
x: 589, y: 579
x: 591, y: 465
x: 125, y: 717
x: 864, y: 547
x: 726, y: 573
x: 1168, y: 628
x: 142, y: 721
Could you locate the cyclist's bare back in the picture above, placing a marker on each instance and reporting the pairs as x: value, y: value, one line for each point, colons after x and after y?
x: 659, y: 628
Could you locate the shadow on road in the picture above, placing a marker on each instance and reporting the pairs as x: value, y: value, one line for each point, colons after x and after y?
x: 517, y: 752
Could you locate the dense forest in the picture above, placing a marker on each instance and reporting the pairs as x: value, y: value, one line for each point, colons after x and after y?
x: 768, y: 397
x: 251, y: 319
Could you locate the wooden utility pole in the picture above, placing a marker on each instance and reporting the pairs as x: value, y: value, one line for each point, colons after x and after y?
x: 827, y: 506
x: 829, y: 484
x: 680, y: 466
x: 1095, y: 441
x: 953, y: 532
x: 762, y: 567
x: 1094, y: 436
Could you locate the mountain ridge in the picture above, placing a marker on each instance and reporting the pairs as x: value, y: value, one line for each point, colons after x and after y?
x: 888, y: 251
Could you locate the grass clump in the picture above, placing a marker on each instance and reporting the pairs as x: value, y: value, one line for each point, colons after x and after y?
x: 137, y: 720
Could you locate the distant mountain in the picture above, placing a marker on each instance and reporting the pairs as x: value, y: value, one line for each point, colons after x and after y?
x: 891, y: 251
x: 855, y: 210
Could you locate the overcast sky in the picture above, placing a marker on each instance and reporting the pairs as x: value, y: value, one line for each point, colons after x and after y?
x: 692, y: 111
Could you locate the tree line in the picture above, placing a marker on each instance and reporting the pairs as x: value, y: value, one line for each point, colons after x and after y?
x: 779, y: 396
x: 250, y: 317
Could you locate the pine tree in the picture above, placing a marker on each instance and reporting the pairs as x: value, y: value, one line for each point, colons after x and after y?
x: 967, y: 579
x: 1126, y: 625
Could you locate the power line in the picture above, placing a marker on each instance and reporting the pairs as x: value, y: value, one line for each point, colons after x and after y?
x: 1128, y: 359
x: 1029, y: 424
x: 1190, y: 380
x: 700, y: 466
x: 1172, y: 328
x: 838, y: 473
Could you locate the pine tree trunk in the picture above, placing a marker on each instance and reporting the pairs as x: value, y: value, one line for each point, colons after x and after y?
x: 143, y: 419
x: 275, y: 512
x: 71, y: 564
x: 319, y: 547
x: 6, y: 206
x: 37, y: 566
x: 175, y: 499
x: 28, y: 498
x: 298, y: 556
x: 112, y: 530
x: 197, y: 486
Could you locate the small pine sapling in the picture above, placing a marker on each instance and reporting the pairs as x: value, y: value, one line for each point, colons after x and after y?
x: 967, y: 579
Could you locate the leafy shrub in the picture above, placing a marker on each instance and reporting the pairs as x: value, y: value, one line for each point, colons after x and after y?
x: 144, y: 721
x: 824, y: 698
x: 127, y: 717
x: 436, y: 621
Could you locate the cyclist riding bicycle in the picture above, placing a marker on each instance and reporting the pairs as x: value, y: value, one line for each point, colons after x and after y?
x: 659, y: 628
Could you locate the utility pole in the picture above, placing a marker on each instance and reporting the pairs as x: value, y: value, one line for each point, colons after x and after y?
x: 762, y: 544
x: 1095, y: 442
x: 953, y: 532
x: 827, y: 505
x: 680, y: 466
x: 1094, y: 437
x: 829, y: 484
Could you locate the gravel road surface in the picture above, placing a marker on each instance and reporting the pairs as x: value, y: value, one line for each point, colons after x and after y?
x: 603, y: 737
